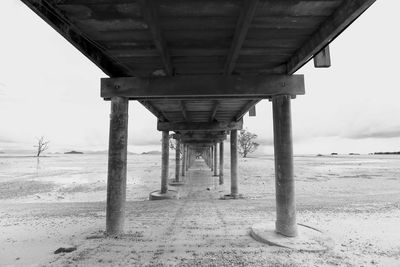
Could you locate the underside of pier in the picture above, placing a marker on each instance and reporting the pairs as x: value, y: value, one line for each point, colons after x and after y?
x: 199, y: 67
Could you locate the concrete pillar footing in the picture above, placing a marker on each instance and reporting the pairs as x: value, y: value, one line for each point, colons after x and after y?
x: 230, y: 196
x: 173, y: 182
x: 157, y: 195
x: 308, y: 239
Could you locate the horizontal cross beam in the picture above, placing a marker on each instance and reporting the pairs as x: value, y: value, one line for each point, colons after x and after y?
x: 211, y: 139
x: 201, y: 144
x: 207, y: 86
x: 205, y: 135
x: 199, y: 126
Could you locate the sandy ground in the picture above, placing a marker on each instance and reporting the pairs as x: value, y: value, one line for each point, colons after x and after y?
x: 60, y: 202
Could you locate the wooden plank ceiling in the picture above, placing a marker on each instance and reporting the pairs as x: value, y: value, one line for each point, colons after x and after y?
x: 199, y: 37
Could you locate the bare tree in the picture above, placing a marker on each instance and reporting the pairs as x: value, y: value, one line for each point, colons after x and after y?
x: 42, y: 145
x: 246, y: 143
x: 173, y: 143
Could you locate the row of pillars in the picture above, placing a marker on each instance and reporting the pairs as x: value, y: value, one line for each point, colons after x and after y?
x: 210, y: 156
x: 284, y: 182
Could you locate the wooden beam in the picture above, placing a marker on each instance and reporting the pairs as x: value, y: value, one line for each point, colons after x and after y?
x: 242, y: 26
x: 207, y: 86
x: 92, y: 50
x: 159, y: 114
x: 208, y: 137
x: 348, y: 12
x: 246, y: 108
x: 214, y: 110
x: 199, y: 126
x: 192, y: 141
x: 151, y: 17
x: 201, y: 143
x: 198, y: 52
x: 252, y: 111
x: 323, y: 58
x: 199, y: 135
x: 184, y: 110
x: 214, y: 140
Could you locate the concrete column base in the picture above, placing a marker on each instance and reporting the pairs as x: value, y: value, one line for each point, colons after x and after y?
x: 157, y: 195
x: 308, y: 238
x: 230, y: 196
x: 173, y: 182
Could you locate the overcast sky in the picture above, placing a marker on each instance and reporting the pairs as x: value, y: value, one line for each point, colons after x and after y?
x: 47, y: 87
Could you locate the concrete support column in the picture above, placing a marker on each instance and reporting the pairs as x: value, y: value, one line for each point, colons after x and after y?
x: 215, y: 160
x: 164, y: 162
x: 286, y: 228
x: 184, y: 160
x: 177, y: 160
x: 117, y: 160
x: 191, y: 158
x: 221, y: 162
x: 211, y: 158
x: 187, y: 158
x: 234, y: 164
x: 284, y: 180
x: 164, y: 193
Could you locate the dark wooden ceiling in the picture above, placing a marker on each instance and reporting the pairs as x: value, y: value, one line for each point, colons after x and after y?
x: 199, y: 37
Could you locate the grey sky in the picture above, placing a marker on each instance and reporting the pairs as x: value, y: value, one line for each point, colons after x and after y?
x: 49, y: 88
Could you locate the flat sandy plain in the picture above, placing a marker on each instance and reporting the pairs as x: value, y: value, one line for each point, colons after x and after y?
x: 60, y: 201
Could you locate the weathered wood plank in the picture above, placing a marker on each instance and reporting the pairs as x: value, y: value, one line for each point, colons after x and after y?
x: 195, y: 8
x: 297, y: 8
x: 349, y: 11
x: 283, y: 42
x: 268, y: 33
x: 287, y: 22
x: 187, y: 87
x: 133, y: 51
x: 100, y: 9
x: 200, y: 126
x: 200, y: 72
x: 243, y: 24
x: 199, y: 23
x: 112, y: 24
